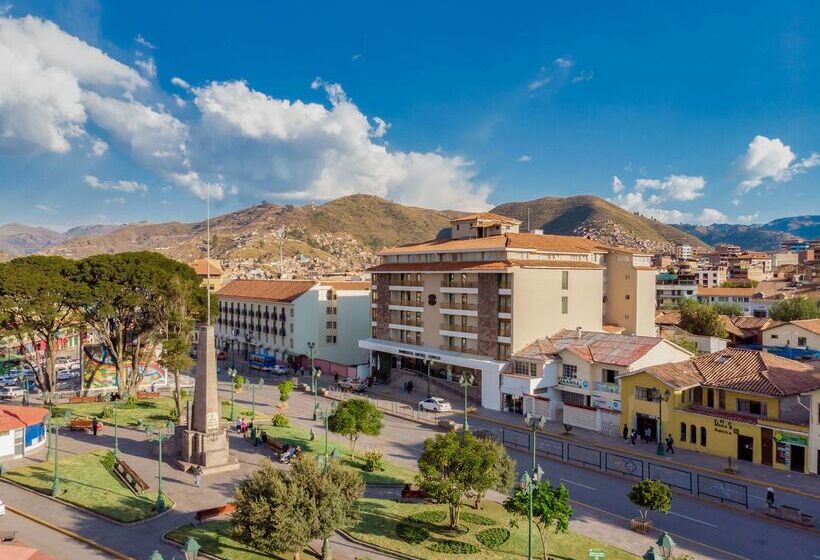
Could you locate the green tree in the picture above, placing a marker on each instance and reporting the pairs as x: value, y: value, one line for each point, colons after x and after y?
x: 282, y: 511
x: 500, y: 473
x: 686, y: 344
x: 354, y: 418
x: 795, y: 309
x: 739, y: 284
x: 454, y: 466
x: 701, y: 319
x: 726, y: 308
x: 285, y: 387
x: 551, y: 511
x: 651, y: 495
x: 35, y: 308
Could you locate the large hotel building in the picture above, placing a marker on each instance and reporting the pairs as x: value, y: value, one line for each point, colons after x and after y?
x: 468, y: 303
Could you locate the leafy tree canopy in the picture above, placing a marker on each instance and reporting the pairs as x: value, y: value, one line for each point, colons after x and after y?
x: 726, y: 308
x: 701, y: 319
x: 651, y: 495
x: 795, y: 309
x: 550, y: 509
x: 354, y: 418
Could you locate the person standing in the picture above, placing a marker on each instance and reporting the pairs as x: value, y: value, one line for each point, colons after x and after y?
x: 634, y: 437
x: 647, y: 435
x: 197, y: 476
x: 626, y: 433
x: 95, y: 425
x: 770, y: 496
x: 669, y: 444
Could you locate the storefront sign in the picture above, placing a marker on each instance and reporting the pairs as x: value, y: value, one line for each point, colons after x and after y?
x: 792, y: 439
x: 783, y: 454
x: 573, y: 382
x: 414, y: 354
x: 723, y: 426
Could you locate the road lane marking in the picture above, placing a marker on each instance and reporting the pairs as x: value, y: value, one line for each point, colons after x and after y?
x: 577, y: 484
x: 693, y: 519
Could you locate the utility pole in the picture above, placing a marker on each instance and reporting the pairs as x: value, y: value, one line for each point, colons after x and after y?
x: 280, y: 234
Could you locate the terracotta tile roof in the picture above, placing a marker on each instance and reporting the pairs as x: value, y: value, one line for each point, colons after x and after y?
x: 267, y: 290
x: 748, y: 323
x: 475, y: 266
x: 201, y: 267
x: 486, y: 216
x: 13, y: 417
x: 731, y: 328
x: 542, y: 349
x: 598, y: 347
x: 582, y: 352
x: 532, y: 241
x: 346, y: 285
x: 737, y: 292
x: 535, y: 263
x: 811, y: 325
x: 614, y: 329
x: 725, y: 414
x: 748, y: 371
x: 667, y: 317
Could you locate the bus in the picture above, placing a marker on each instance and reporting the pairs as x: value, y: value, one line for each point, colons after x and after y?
x: 262, y: 362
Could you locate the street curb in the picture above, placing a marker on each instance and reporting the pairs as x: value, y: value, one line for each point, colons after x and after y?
x: 86, y: 510
x: 71, y: 534
x: 747, y: 480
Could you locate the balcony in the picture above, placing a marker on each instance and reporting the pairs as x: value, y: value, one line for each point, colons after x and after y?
x: 459, y: 284
x: 455, y: 327
x: 406, y: 283
x: 406, y: 322
x: 504, y: 308
x: 469, y: 306
x: 411, y: 341
x: 462, y: 350
x: 604, y: 387
x: 405, y: 302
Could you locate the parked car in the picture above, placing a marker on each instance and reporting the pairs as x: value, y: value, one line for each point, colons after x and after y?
x: 280, y: 369
x: 351, y: 384
x: 435, y: 404
x: 8, y: 393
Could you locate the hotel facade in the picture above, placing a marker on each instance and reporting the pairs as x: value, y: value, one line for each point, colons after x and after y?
x: 466, y: 304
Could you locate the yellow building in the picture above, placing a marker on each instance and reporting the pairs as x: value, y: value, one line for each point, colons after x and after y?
x: 735, y: 403
x: 210, y: 271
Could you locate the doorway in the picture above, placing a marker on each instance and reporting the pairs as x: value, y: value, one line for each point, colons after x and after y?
x: 745, y: 448
x: 647, y: 426
x: 19, y: 445
x: 798, y: 462
x: 766, y: 446
x: 514, y: 403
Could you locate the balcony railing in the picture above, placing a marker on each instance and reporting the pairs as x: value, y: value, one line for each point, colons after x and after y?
x: 505, y: 284
x: 469, y: 306
x: 608, y: 387
x: 458, y: 328
x: 459, y: 284
x: 408, y: 283
x: 408, y: 302
x: 504, y: 308
x: 411, y: 341
x: 462, y: 349
x: 407, y: 322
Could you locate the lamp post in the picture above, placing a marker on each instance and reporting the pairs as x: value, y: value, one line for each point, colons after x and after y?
x: 232, y: 375
x: 528, y: 482
x: 325, y: 416
x: 116, y: 429
x: 21, y: 377
x: 534, y: 423
x: 428, y: 362
x: 666, y: 545
x: 661, y: 399
x: 314, y: 380
x: 253, y: 406
x: 466, y: 381
x: 55, y: 484
x: 161, y: 434
x: 191, y: 549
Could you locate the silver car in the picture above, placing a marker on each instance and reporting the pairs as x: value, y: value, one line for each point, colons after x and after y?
x: 435, y: 404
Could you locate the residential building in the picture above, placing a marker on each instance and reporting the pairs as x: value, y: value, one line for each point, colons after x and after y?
x: 750, y: 267
x: 803, y: 334
x: 741, y: 296
x: 22, y: 430
x: 683, y: 251
x: 741, y: 404
x: 672, y: 288
x: 280, y: 317
x: 571, y: 376
x: 210, y: 271
x: 727, y: 250
x: 468, y: 302
x: 783, y: 258
x: 662, y: 262
x: 711, y: 277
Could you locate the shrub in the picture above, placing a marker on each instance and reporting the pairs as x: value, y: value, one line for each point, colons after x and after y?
x: 247, y: 413
x: 129, y: 403
x: 108, y: 461
x: 493, y: 538
x: 285, y: 387
x: 238, y: 382
x: 173, y: 414
x: 373, y: 460
x: 107, y: 412
x: 183, y: 393
x: 477, y: 519
x: 411, y: 533
x: 280, y: 421
x: 448, y: 546
x: 226, y: 402
x: 429, y: 516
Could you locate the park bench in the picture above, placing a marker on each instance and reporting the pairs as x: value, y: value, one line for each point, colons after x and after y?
x: 129, y: 477
x: 204, y: 514
x: 8, y: 536
x: 82, y: 400
x: 148, y: 395
x: 408, y: 493
x: 76, y: 424
x: 277, y: 446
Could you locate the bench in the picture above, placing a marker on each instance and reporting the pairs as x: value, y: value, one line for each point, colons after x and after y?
x: 409, y: 494
x: 82, y: 400
x: 129, y: 477
x: 8, y: 536
x: 76, y: 424
x: 204, y: 514
x: 277, y: 446
x: 147, y: 395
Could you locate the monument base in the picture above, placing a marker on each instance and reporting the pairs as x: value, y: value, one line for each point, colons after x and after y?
x: 208, y: 450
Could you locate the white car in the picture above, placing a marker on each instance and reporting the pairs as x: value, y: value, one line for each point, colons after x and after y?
x: 279, y: 369
x: 435, y: 404
x: 8, y: 393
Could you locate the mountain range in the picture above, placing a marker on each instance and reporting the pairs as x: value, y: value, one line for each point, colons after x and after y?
x: 345, y: 234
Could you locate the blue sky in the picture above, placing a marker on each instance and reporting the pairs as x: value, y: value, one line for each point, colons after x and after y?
x: 126, y: 111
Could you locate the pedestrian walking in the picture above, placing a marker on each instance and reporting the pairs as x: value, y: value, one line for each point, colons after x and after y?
x: 669, y: 443
x: 336, y: 378
x: 411, y: 386
x: 770, y: 496
x: 197, y: 476
x: 634, y: 437
x: 238, y: 425
x: 626, y: 433
x: 647, y: 435
x: 95, y: 425
x: 243, y: 427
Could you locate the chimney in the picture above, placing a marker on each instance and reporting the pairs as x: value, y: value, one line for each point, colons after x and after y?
x: 578, y: 332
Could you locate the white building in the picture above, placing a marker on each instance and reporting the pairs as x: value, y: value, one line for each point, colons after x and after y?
x: 280, y: 317
x: 22, y: 430
x: 683, y: 251
x: 710, y: 277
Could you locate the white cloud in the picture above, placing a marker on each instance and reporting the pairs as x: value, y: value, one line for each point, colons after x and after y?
x: 584, y: 76
x: 99, y: 147
x: 524, y: 158
x: 144, y: 42
x: 179, y: 101
x: 710, y: 216
x: 381, y: 128
x: 617, y: 185
x: 45, y: 72
x: 538, y: 83
x: 563, y: 62
x: 148, y: 66
x: 674, y: 187
x: 122, y: 186
x: 771, y: 159
x: 355, y: 57
x: 679, y: 188
x: 748, y: 219
x: 635, y: 202
x: 115, y: 200
x: 46, y: 209
x: 180, y: 83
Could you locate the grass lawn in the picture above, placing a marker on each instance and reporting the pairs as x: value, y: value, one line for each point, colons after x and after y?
x: 215, y: 538
x: 379, y: 520
x: 243, y: 410
x: 86, y: 483
x: 148, y: 411
x: 392, y: 473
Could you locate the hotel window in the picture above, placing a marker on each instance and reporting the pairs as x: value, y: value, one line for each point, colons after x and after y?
x: 627, y: 296
x: 751, y: 407
x: 570, y: 371
x: 564, y: 305
x: 504, y: 329
x: 801, y: 341
x: 330, y: 339
x: 643, y: 393
x: 683, y: 431
x: 609, y: 375
x: 564, y: 279
x: 503, y: 352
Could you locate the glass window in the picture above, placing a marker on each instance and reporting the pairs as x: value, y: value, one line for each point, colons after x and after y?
x: 564, y: 305
x: 693, y: 434
x: 683, y: 431
x: 801, y: 341
x: 609, y: 375
x: 570, y: 370
x: 702, y: 436
x: 751, y: 407
x: 564, y: 279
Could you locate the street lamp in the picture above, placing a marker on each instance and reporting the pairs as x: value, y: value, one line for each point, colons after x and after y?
x: 156, y: 556
x: 466, y: 381
x: 666, y: 545
x: 661, y: 399
x: 325, y: 416
x: 116, y: 428
x: 161, y: 434
x: 253, y: 406
x: 21, y: 377
x: 428, y: 362
x: 314, y: 380
x: 191, y: 549
x: 534, y: 423
x: 55, y: 484
x: 652, y: 554
x: 232, y: 375
x: 527, y: 483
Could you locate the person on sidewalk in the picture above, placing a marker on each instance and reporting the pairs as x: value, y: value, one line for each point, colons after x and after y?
x: 770, y: 496
x: 95, y: 426
x: 626, y: 433
x: 634, y: 437
x: 238, y: 424
x: 669, y: 443
x: 197, y: 476
x: 647, y: 435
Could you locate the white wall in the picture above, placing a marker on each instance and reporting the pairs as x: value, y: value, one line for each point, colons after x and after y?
x: 7, y: 444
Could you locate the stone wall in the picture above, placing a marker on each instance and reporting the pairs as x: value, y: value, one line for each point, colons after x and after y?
x: 488, y: 315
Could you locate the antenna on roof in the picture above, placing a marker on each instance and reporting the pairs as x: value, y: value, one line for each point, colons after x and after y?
x: 208, y: 254
x: 529, y: 230
x: 280, y: 234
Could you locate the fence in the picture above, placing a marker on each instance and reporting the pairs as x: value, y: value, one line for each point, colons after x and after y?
x: 677, y: 478
x: 587, y: 456
x: 723, y: 490
x: 627, y: 466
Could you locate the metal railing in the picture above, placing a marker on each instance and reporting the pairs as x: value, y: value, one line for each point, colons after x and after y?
x: 627, y: 466
x: 504, y: 308
x: 406, y: 283
x: 607, y: 387
x: 407, y: 322
x: 458, y: 328
x: 459, y: 284
x: 407, y: 302
x: 462, y: 350
x: 469, y: 306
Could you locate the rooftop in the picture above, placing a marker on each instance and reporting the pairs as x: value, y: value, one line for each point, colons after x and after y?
x: 486, y: 217
x: 525, y: 241
x: 737, y: 292
x: 201, y: 267
x: 13, y: 417
x: 592, y: 346
x: 811, y: 325
x: 284, y: 291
